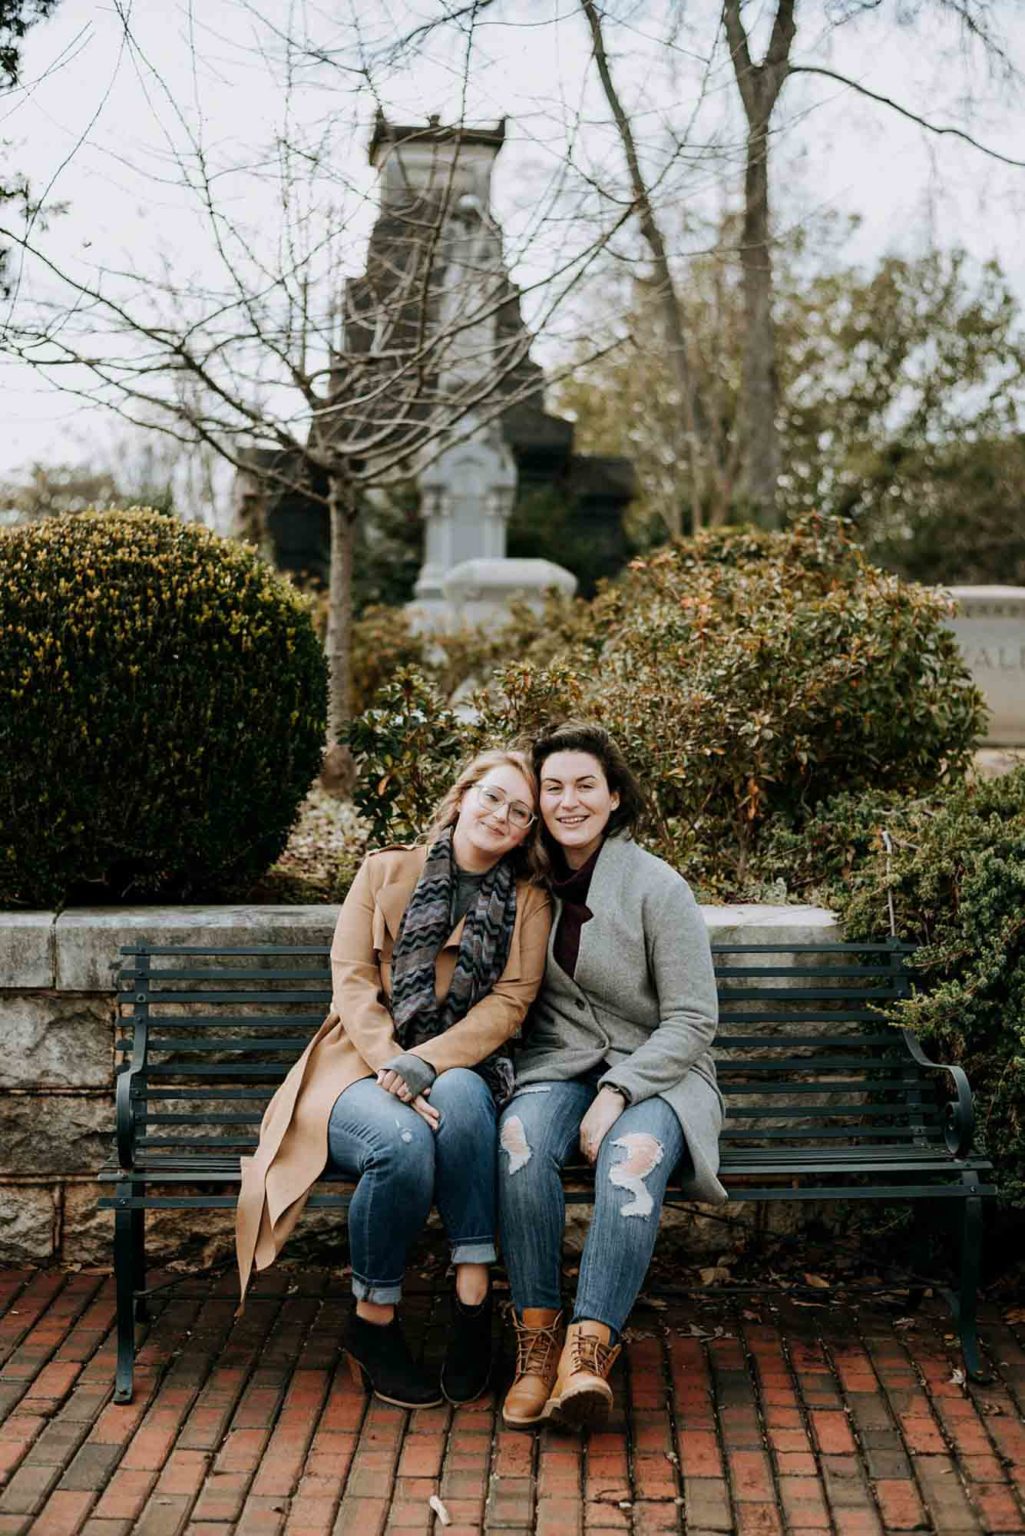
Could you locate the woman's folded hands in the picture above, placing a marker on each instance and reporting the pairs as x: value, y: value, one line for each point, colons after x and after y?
x: 410, y: 1078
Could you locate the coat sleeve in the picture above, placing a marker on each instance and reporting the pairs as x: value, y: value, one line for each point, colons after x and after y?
x: 680, y: 958
x: 356, y: 976
x: 497, y: 1017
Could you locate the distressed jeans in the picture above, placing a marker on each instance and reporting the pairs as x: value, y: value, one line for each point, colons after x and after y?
x: 538, y: 1134
x: 403, y: 1166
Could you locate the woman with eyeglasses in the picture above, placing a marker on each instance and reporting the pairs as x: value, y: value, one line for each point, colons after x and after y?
x: 438, y: 953
x: 616, y: 1065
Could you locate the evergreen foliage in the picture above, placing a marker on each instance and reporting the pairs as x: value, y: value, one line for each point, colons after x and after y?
x: 955, y: 874
x: 750, y: 676
x: 162, y: 706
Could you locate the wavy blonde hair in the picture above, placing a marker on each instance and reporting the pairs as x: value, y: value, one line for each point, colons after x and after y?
x: 529, y: 858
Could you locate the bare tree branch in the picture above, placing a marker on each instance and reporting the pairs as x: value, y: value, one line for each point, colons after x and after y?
x: 940, y: 129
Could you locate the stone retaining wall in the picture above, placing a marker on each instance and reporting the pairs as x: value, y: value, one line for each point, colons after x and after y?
x: 57, y: 1007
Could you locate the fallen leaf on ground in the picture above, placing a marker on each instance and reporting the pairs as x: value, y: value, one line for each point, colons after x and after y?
x: 439, y: 1509
x: 817, y: 1282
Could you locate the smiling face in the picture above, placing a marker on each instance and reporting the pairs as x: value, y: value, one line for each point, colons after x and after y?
x: 576, y: 803
x: 484, y: 830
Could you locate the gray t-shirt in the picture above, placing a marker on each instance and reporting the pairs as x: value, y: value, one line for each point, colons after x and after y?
x: 464, y: 894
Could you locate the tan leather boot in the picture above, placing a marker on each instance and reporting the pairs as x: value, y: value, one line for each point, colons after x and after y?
x: 582, y: 1395
x: 538, y: 1341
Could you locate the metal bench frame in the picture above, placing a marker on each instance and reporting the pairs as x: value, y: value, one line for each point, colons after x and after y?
x: 856, y: 1109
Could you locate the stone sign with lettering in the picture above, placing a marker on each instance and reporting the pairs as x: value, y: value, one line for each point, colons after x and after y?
x: 990, y: 627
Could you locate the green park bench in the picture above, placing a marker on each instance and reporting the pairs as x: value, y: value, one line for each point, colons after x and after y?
x: 824, y: 1099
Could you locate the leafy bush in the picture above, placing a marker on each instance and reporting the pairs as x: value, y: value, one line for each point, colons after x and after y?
x: 956, y: 877
x: 751, y: 676
x: 162, y: 706
x: 383, y: 644
x: 406, y: 749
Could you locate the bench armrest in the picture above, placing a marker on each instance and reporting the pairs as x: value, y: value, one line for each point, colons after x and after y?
x: 125, y: 1121
x: 959, y: 1121
x: 124, y: 1096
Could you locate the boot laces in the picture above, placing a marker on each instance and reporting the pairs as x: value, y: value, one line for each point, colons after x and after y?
x: 592, y: 1354
x: 536, y: 1349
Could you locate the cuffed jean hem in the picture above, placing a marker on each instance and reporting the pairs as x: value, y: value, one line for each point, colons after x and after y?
x: 380, y: 1295
x: 482, y: 1252
x: 585, y: 1314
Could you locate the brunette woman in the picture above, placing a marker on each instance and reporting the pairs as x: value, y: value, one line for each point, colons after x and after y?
x: 616, y: 1065
x: 437, y: 955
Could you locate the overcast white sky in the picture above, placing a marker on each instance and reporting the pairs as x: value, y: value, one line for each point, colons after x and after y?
x: 99, y: 116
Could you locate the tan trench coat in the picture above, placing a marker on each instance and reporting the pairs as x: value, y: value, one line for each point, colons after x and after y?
x: 356, y: 1039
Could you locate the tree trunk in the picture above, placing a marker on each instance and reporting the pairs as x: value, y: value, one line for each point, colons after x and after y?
x: 760, y: 381
x: 338, y: 773
x: 759, y: 86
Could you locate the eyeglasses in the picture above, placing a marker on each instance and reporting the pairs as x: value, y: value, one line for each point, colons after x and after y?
x: 492, y: 800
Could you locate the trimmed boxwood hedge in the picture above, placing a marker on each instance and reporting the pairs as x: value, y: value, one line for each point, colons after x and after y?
x: 162, y: 709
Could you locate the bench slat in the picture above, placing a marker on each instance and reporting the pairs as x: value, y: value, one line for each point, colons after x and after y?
x: 213, y: 973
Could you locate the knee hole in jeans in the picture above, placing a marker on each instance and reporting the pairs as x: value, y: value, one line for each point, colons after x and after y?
x: 643, y: 1153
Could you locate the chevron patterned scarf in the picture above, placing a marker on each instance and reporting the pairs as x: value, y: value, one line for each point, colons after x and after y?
x: 483, y: 951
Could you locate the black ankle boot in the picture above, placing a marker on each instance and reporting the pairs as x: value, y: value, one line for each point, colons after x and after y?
x: 467, y: 1368
x: 380, y: 1357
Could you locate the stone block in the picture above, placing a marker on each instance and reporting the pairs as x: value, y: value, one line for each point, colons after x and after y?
x: 750, y: 924
x: 28, y: 1223
x: 51, y: 1041
x: 89, y: 939
x: 990, y: 629
x: 26, y: 949
x: 54, y: 1134
x: 480, y: 591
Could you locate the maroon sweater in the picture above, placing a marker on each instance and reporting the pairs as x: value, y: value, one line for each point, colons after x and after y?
x: 571, y: 886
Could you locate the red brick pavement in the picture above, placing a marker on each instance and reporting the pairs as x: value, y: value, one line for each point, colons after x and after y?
x: 757, y: 1419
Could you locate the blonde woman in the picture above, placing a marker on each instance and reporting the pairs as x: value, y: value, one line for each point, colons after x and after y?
x: 438, y: 953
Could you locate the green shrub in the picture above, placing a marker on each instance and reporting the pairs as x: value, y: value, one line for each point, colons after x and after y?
x: 406, y: 749
x: 956, y: 877
x: 751, y: 676
x: 162, y: 706
x: 383, y: 644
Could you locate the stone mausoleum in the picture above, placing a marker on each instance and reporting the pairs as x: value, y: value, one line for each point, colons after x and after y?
x: 436, y: 270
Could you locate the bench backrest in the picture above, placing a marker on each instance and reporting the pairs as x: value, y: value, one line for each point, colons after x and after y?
x: 804, y: 1055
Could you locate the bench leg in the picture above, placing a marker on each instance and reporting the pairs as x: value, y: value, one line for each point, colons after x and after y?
x: 139, y: 1262
x: 965, y: 1302
x: 124, y: 1282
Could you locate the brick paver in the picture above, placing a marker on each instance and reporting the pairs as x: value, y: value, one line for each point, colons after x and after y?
x: 755, y: 1419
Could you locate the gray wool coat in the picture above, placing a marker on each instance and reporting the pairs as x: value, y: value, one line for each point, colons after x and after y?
x: 643, y: 1001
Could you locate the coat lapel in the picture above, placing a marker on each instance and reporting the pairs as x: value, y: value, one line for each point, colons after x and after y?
x: 392, y: 899
x: 601, y: 894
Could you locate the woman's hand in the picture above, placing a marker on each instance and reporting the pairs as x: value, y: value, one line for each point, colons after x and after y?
x: 391, y: 1082
x: 599, y: 1120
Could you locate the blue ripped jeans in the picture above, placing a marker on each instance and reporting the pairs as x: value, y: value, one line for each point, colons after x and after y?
x: 539, y: 1132
x: 403, y: 1166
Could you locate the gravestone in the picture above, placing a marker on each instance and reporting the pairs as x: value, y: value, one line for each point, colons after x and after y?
x: 990, y: 629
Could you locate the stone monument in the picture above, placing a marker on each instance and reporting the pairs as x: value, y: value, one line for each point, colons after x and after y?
x: 990, y: 628
x: 436, y: 285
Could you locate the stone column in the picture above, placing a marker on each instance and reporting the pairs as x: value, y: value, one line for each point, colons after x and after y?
x: 467, y: 500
